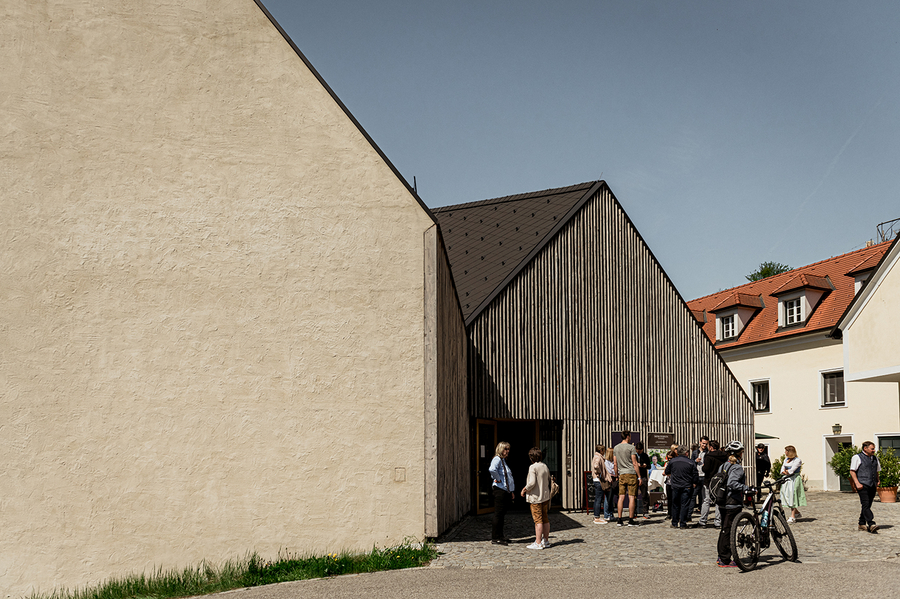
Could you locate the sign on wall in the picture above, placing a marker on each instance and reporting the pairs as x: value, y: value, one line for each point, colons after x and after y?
x: 660, y: 440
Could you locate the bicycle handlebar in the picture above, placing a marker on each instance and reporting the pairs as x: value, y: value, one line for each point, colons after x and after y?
x: 770, y: 484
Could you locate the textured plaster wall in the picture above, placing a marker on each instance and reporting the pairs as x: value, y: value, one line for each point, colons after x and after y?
x: 874, y: 337
x: 796, y: 418
x: 211, y: 298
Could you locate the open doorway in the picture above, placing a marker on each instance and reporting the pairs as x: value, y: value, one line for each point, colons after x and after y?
x: 834, y: 444
x: 521, y: 435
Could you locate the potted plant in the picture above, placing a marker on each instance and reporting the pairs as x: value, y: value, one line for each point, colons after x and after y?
x: 776, y: 468
x: 889, y: 477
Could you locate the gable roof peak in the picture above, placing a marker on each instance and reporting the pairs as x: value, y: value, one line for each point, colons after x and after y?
x: 488, y: 242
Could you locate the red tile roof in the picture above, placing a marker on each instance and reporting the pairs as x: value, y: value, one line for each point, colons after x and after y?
x: 764, y: 325
x: 738, y: 299
x: 867, y: 264
x: 804, y: 281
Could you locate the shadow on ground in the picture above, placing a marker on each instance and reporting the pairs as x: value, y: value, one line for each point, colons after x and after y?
x: 519, y: 527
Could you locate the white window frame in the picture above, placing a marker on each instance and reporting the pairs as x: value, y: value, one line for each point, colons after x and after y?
x: 822, y: 394
x: 753, y: 385
x: 793, y: 307
x: 783, y: 312
x: 729, y: 323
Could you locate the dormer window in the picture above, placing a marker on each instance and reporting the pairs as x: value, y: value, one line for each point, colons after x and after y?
x: 728, y: 327
x: 861, y: 271
x: 799, y: 297
x: 734, y: 313
x: 792, y: 312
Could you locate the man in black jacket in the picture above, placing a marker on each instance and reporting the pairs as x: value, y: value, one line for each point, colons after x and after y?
x: 683, y: 477
x: 711, y: 463
x: 763, y: 465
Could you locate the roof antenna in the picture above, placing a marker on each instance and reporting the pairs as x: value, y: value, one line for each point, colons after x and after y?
x: 415, y: 188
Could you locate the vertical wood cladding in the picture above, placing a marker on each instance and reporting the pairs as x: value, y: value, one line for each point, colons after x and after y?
x: 593, y: 333
x: 447, y: 482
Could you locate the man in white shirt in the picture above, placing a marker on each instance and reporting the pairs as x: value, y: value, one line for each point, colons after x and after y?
x: 864, y: 469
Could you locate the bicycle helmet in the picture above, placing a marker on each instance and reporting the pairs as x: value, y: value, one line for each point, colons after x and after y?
x: 734, y: 447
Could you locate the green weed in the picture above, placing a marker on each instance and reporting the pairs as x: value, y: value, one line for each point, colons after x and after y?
x: 253, y: 571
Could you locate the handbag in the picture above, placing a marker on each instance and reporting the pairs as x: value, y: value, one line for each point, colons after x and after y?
x: 554, y: 488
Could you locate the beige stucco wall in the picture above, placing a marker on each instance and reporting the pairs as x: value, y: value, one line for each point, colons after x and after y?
x: 794, y: 371
x: 872, y: 340
x: 211, y: 299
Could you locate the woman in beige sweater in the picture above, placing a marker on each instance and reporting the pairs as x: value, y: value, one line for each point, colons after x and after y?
x: 537, y: 493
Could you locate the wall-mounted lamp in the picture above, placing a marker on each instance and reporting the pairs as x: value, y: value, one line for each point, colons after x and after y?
x: 836, y: 429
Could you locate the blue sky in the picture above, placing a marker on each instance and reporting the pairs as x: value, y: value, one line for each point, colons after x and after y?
x: 732, y: 132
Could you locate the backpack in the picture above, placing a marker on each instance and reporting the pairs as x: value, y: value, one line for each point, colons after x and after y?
x: 717, y: 491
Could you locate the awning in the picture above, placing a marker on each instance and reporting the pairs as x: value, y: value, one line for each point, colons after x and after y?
x: 762, y: 436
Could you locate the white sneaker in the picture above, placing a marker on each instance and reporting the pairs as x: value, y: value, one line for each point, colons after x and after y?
x: 791, y: 520
x: 535, y: 546
x: 600, y: 521
x: 545, y: 544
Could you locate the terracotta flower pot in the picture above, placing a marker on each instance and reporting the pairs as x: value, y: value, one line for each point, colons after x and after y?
x: 887, y: 494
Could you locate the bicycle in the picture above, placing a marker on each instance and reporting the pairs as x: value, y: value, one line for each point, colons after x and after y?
x: 751, y: 531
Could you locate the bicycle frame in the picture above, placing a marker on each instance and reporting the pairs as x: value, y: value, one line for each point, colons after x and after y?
x: 754, y: 530
x: 766, y: 512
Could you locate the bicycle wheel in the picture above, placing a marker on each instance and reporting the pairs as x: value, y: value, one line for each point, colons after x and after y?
x: 745, y: 541
x: 783, y: 537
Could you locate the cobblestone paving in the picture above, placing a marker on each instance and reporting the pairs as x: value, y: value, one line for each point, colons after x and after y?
x: 826, y: 533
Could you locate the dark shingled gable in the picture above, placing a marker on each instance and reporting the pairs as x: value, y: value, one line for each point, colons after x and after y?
x: 491, y: 240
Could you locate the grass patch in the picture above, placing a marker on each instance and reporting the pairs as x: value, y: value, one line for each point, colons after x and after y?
x: 250, y: 572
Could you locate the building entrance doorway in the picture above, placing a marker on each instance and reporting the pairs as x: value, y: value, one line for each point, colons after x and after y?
x: 521, y: 435
x: 834, y: 444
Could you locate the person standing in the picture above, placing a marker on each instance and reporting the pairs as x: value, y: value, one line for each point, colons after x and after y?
x: 503, y: 487
x: 537, y: 493
x: 698, y: 456
x: 715, y: 457
x: 643, y: 494
x: 864, y: 469
x: 763, y: 466
x: 683, y: 478
x: 673, y: 453
x: 735, y: 488
x: 793, y: 494
x: 600, y: 476
x: 611, y: 494
x: 625, y: 460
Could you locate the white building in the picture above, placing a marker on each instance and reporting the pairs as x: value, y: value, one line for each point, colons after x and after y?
x: 779, y: 338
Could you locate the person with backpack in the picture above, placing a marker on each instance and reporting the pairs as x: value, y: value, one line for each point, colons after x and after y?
x: 711, y: 463
x: 730, y: 505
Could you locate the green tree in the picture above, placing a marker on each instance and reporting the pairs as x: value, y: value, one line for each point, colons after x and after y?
x: 768, y: 269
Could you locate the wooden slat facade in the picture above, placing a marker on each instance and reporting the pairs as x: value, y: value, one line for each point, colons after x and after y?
x: 447, y: 493
x: 592, y: 332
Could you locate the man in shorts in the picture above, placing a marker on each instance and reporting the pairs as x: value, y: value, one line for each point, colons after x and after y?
x: 626, y: 462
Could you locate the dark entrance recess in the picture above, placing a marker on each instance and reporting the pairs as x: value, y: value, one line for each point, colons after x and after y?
x: 845, y: 482
x: 521, y: 435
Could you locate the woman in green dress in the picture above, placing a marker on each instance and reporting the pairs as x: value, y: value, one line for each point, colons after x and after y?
x: 793, y: 495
